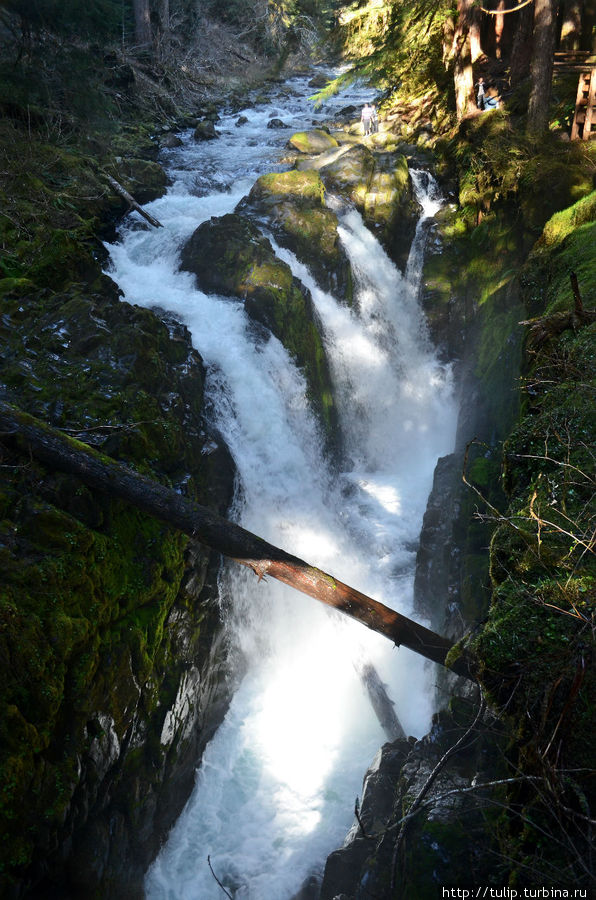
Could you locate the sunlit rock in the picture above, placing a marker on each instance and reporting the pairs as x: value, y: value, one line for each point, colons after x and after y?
x: 312, y: 142
x: 293, y: 205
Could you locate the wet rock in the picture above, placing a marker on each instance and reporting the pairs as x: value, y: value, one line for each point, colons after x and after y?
x: 448, y: 842
x: 318, y: 81
x: 229, y: 255
x: 170, y: 141
x: 343, y: 867
x: 241, y: 120
x: 205, y: 131
x: 436, y: 581
x: 275, y: 123
x: 292, y: 204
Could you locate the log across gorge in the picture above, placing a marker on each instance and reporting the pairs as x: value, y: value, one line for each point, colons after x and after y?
x: 55, y: 449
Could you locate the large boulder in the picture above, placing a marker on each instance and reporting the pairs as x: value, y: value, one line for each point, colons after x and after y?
x: 205, y: 131
x: 293, y: 206
x: 229, y: 255
x: 380, y: 186
x: 349, y: 174
x: 312, y: 142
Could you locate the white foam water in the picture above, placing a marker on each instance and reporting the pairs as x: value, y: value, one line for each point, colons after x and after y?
x: 276, y: 786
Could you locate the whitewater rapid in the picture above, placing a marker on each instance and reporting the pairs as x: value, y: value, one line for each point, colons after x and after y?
x: 275, y: 790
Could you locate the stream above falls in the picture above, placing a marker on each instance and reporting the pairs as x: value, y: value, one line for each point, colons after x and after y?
x: 275, y: 789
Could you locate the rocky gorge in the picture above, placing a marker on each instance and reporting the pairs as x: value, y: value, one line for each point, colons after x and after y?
x: 118, y: 662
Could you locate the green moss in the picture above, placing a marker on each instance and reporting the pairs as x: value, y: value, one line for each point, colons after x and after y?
x: 302, y: 186
x: 565, y: 247
x: 536, y: 645
x: 315, y: 141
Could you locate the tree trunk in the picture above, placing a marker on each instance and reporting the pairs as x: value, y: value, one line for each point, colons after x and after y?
x: 475, y: 35
x: 56, y: 450
x: 541, y: 67
x: 463, y: 75
x: 571, y: 26
x: 143, y: 37
x: 521, y: 52
x: 163, y: 13
x: 499, y: 28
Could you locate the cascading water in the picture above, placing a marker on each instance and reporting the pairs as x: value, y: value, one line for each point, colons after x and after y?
x: 275, y: 789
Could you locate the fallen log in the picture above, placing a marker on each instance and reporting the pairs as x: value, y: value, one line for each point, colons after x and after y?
x: 381, y: 702
x: 55, y: 449
x: 132, y: 202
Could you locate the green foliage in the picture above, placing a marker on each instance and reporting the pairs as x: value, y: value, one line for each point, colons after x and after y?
x: 398, y: 47
x: 537, y: 647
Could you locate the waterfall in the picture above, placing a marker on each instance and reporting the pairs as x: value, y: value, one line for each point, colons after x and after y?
x: 275, y: 789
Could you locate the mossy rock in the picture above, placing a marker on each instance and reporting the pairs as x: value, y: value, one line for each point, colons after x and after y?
x: 380, y: 187
x: 93, y: 596
x: 390, y: 207
x: 312, y: 142
x: 293, y: 205
x: 302, y: 188
x: 229, y: 255
x: 350, y: 174
x: 144, y: 179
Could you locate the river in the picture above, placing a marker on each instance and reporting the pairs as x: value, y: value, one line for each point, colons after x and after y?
x: 275, y: 790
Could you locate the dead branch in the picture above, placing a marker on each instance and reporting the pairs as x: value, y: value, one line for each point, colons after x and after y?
x: 217, y: 879
x: 502, y: 12
x: 131, y: 201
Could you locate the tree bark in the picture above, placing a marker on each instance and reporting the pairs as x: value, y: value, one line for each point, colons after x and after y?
x: 541, y: 67
x: 463, y: 75
x: 164, y: 27
x: 499, y: 28
x: 519, y: 65
x: 475, y: 35
x: 143, y: 37
x: 56, y: 450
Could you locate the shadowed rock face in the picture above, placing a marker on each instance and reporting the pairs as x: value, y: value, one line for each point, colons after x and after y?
x: 444, y: 842
x: 116, y: 677
x: 229, y: 255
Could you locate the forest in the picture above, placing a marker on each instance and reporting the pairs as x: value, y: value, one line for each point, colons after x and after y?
x: 118, y: 662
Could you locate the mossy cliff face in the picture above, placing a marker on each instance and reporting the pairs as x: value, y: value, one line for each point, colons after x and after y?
x: 537, y: 648
x: 474, y: 304
x: 230, y: 255
x: 112, y: 677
